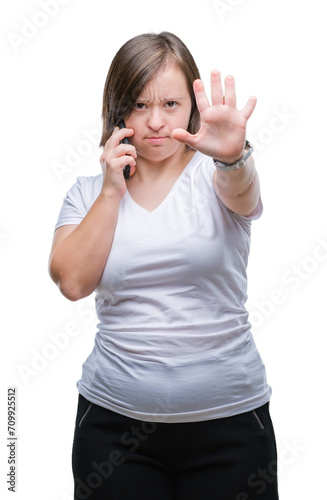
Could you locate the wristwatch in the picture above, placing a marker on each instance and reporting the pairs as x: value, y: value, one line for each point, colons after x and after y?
x: 225, y: 167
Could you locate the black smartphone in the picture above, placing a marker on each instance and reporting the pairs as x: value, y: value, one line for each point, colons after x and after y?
x: 127, y: 168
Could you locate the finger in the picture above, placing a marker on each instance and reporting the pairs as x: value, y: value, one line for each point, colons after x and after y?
x: 124, y: 132
x: 113, y: 156
x: 230, y: 94
x: 249, y: 107
x: 119, y: 163
x: 200, y: 96
x: 126, y: 149
x: 117, y: 136
x: 128, y: 160
x: 217, y: 96
x: 183, y: 136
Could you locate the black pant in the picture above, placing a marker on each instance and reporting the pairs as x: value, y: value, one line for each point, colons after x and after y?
x: 119, y: 458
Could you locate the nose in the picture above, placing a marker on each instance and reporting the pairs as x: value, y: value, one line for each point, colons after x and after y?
x: 156, y: 119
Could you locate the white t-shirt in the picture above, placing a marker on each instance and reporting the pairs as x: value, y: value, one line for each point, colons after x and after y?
x: 174, y: 342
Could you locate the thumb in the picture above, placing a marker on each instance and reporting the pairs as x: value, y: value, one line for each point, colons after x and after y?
x: 182, y: 135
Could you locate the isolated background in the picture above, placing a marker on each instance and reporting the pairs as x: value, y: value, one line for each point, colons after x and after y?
x: 51, y: 98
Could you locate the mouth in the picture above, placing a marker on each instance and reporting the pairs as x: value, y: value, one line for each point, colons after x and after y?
x: 156, y: 140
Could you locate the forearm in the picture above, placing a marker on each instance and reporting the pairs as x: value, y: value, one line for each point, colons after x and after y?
x: 238, y: 189
x: 77, y: 262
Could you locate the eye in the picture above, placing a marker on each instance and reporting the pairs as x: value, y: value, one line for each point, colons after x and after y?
x: 171, y: 104
x: 139, y: 105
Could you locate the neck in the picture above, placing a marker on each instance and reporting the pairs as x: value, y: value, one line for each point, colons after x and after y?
x: 149, y: 171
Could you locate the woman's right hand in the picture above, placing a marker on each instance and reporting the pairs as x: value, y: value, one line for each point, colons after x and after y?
x: 113, y: 160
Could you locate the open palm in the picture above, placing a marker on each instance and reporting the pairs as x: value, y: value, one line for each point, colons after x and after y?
x: 223, y: 126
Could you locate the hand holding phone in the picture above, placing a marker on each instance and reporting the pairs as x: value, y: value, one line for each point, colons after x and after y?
x: 127, y: 168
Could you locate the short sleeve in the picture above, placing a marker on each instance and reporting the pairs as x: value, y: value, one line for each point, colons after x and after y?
x: 78, y: 201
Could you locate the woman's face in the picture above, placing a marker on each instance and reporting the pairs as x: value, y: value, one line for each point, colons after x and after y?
x: 164, y: 104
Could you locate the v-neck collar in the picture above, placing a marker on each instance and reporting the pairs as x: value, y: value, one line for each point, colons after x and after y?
x: 169, y: 194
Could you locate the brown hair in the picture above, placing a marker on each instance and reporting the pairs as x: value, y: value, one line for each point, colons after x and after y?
x: 134, y: 65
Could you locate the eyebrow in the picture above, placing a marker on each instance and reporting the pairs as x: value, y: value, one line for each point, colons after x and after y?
x: 140, y: 99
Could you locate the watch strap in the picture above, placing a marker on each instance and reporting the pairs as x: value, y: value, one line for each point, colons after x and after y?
x: 225, y: 167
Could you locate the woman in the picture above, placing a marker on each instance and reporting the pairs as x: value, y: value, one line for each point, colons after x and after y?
x: 173, y: 399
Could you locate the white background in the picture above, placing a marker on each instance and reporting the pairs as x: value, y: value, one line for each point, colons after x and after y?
x: 54, y: 69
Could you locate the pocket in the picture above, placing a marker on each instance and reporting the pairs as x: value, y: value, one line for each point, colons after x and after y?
x: 258, y: 419
x: 84, y: 409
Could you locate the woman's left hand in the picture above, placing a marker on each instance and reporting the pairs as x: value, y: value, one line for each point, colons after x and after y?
x: 223, y: 127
